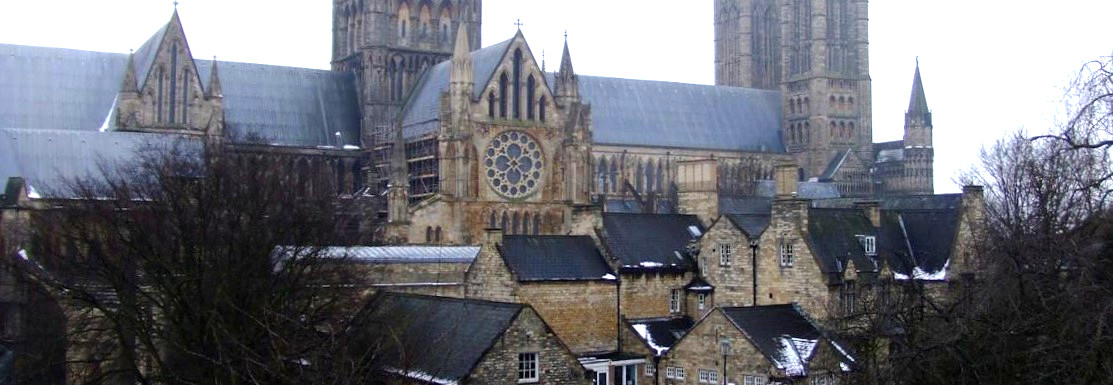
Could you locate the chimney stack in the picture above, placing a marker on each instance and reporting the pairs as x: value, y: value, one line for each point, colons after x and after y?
x: 697, y: 186
x: 787, y: 179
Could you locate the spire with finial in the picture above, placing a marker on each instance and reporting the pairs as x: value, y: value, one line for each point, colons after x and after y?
x: 215, y: 90
x: 917, y: 104
x: 461, y: 58
x: 567, y: 83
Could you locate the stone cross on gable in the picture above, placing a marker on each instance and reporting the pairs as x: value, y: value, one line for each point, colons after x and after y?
x: 519, y: 24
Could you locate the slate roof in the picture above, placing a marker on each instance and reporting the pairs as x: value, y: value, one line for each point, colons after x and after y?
x: 421, y: 114
x: 660, y: 334
x: 441, y: 338
x: 699, y: 285
x: 918, y: 242
x: 665, y: 114
x: 784, y: 334
x: 651, y: 241
x: 47, y: 159
x: 833, y: 233
x: 405, y: 254
x: 753, y: 225
x: 904, y: 202
x: 554, y: 258
x: 63, y: 89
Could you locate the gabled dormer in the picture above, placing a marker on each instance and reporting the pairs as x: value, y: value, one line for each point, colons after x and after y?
x: 516, y: 89
x: 162, y: 91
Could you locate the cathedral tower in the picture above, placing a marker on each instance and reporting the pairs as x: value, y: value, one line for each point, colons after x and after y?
x: 919, y: 155
x: 387, y: 44
x: 816, y: 52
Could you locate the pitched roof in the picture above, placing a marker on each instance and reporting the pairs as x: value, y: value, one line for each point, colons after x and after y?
x: 554, y: 258
x: 55, y: 88
x: 660, y: 334
x: 48, y: 159
x: 62, y: 89
x: 784, y: 334
x: 753, y: 225
x: 751, y: 214
x: 436, y: 339
x: 919, y: 242
x: 833, y: 234
x: 804, y: 190
x: 421, y: 114
x: 835, y: 164
x: 900, y: 202
x: 666, y: 114
x: 651, y: 241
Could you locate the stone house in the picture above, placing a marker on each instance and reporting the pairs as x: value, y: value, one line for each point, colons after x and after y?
x: 417, y: 269
x: 564, y: 278
x: 754, y: 345
x: 438, y: 340
x: 654, y: 255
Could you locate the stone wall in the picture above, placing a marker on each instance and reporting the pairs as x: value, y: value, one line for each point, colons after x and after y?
x: 733, y: 282
x: 583, y: 314
x: 647, y: 295
x: 528, y: 334
x: 803, y: 282
x: 488, y: 277
x: 440, y: 279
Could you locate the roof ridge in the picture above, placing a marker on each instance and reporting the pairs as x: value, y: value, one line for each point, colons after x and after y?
x: 453, y: 299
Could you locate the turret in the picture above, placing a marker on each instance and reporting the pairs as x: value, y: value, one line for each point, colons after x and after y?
x: 567, y: 83
x: 215, y: 90
x: 127, y: 100
x: 917, y: 120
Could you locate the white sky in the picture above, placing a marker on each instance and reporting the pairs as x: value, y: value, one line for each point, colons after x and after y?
x: 989, y: 66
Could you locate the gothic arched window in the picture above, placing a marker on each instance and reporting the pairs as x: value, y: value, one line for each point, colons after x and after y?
x: 160, y: 74
x: 517, y: 84
x: 446, y: 22
x: 491, y: 220
x: 173, y: 80
x: 613, y: 176
x: 505, y: 221
x: 601, y: 175
x: 649, y: 178
x: 529, y: 97
x: 639, y: 183
x: 525, y: 223
x: 491, y: 104
x: 660, y: 176
x: 437, y: 235
x: 503, y: 85
x: 537, y: 224
x: 424, y: 17
x: 429, y: 234
x: 403, y: 19
x: 517, y: 226
x: 185, y: 97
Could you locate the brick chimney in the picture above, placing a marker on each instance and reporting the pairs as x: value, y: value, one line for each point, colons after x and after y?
x: 697, y: 186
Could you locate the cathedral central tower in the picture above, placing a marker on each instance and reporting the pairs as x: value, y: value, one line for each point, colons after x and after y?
x: 387, y: 44
x: 816, y: 52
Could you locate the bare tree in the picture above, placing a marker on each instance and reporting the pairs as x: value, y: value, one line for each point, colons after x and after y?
x: 198, y: 268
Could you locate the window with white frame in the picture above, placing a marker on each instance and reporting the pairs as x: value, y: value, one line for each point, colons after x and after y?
x: 708, y: 376
x: 674, y: 301
x: 787, y: 253
x: 680, y: 373
x: 650, y: 370
x: 701, y: 299
x: 527, y: 367
x: 753, y: 380
x: 670, y: 372
x: 725, y: 254
x: 869, y: 243
x: 824, y: 379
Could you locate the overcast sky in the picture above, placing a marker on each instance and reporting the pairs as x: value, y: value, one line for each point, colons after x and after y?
x: 989, y: 66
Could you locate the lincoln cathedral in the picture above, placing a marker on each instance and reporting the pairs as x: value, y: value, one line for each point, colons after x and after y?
x: 638, y: 228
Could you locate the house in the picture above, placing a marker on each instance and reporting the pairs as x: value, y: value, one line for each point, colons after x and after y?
x: 437, y: 340
x: 655, y: 258
x: 755, y: 345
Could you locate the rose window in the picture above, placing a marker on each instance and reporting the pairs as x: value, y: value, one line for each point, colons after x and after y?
x: 514, y: 164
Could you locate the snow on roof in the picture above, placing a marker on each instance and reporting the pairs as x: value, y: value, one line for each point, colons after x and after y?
x: 794, y: 355
x: 421, y: 376
x: 405, y: 254
x: 919, y: 274
x: 643, y: 331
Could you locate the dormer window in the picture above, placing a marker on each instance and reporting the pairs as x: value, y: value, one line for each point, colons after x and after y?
x: 869, y: 244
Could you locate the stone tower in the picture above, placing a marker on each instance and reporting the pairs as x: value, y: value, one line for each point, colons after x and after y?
x: 919, y: 155
x: 387, y: 44
x: 816, y: 52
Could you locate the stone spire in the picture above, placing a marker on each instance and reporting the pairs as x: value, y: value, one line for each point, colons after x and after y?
x: 215, y: 90
x: 567, y: 83
x: 918, y: 111
x: 461, y: 59
x: 130, y: 84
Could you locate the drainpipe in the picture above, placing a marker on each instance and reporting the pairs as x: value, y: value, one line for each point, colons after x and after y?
x: 753, y: 268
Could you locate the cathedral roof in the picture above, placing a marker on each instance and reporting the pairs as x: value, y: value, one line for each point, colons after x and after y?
x: 664, y: 114
x: 421, y: 114
x: 48, y: 159
x: 63, y: 89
